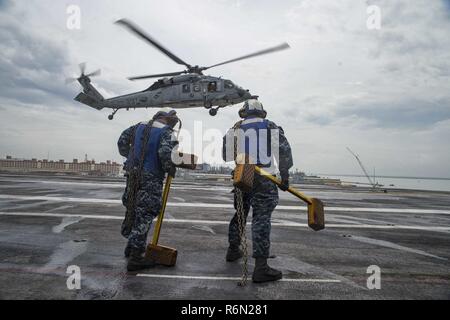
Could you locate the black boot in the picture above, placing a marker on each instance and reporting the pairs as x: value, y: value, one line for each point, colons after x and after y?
x: 264, y: 273
x: 233, y: 254
x: 138, y: 262
x: 126, y: 252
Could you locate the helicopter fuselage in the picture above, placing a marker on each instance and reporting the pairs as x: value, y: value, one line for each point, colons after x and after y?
x: 184, y: 91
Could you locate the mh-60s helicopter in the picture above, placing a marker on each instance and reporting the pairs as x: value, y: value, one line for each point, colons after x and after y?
x: 189, y: 88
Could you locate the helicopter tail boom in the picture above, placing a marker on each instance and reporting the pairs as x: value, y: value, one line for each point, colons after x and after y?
x: 90, y: 96
x: 88, y: 100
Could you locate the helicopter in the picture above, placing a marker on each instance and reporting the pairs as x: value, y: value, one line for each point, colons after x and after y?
x: 188, y: 88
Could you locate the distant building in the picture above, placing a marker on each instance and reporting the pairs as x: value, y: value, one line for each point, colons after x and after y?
x: 107, y: 168
x: 205, y: 171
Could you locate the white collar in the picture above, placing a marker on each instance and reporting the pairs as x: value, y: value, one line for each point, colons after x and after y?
x: 156, y: 124
x: 252, y: 120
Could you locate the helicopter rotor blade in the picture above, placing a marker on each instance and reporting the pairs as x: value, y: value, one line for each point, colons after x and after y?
x: 82, y: 67
x: 70, y: 80
x: 94, y: 73
x: 157, y: 75
x: 258, y: 53
x: 134, y: 28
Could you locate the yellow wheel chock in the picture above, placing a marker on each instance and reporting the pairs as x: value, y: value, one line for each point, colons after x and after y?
x: 243, y: 179
x: 160, y: 254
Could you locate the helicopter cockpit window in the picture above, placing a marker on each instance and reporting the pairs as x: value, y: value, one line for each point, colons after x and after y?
x: 158, y: 84
x: 228, y: 84
x: 186, y: 88
x: 212, y: 86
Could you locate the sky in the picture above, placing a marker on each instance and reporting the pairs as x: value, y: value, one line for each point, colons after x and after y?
x: 385, y: 93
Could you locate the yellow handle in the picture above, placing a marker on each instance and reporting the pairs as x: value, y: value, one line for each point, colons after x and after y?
x: 296, y: 193
x: 165, y: 196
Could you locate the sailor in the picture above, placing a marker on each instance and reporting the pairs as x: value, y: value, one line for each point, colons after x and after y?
x: 148, y: 147
x: 269, y: 142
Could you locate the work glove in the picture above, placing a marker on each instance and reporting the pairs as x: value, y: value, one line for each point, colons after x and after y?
x: 172, y: 171
x: 284, y: 181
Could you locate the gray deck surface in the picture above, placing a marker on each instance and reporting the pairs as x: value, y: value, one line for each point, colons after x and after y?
x: 48, y: 223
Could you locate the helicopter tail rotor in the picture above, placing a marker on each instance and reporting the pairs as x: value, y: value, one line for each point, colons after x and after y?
x: 82, y: 67
x: 94, y: 73
x: 70, y: 80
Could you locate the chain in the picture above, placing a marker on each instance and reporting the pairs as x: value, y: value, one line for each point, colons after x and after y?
x: 134, y: 178
x: 242, y: 235
x: 241, y: 217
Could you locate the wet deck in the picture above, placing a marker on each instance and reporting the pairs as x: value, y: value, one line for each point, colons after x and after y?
x: 49, y: 223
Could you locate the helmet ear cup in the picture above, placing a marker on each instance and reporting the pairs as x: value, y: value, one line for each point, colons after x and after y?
x: 243, y: 111
x: 264, y: 112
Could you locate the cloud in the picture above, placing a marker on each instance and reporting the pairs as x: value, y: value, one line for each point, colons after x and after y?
x: 340, y: 84
x: 402, y: 113
x: 4, y: 4
x: 32, y: 65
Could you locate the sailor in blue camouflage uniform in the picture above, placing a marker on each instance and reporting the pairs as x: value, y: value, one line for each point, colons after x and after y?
x: 263, y: 198
x: 148, y: 147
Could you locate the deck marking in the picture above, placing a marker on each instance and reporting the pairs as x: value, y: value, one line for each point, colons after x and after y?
x: 224, y: 222
x: 170, y: 276
x: 285, y: 262
x: 392, y: 245
x: 66, y: 221
x: 225, y: 205
x: 64, y: 254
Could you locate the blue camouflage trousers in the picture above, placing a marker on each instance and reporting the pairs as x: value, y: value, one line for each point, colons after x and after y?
x: 263, y: 199
x: 147, y: 207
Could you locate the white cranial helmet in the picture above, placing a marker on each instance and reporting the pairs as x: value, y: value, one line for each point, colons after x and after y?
x: 164, y: 112
x: 252, y: 107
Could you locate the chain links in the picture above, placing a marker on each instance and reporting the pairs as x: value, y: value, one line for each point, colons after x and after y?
x: 242, y: 235
x: 134, y: 178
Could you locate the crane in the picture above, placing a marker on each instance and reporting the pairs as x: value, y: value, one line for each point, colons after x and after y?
x: 374, y: 184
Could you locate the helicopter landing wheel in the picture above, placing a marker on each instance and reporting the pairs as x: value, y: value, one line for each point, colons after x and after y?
x: 111, y: 116
x: 213, y: 112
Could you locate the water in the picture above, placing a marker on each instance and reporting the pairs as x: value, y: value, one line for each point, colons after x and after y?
x: 417, y: 183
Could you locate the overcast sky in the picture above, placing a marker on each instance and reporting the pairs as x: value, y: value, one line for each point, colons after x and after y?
x: 383, y: 93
